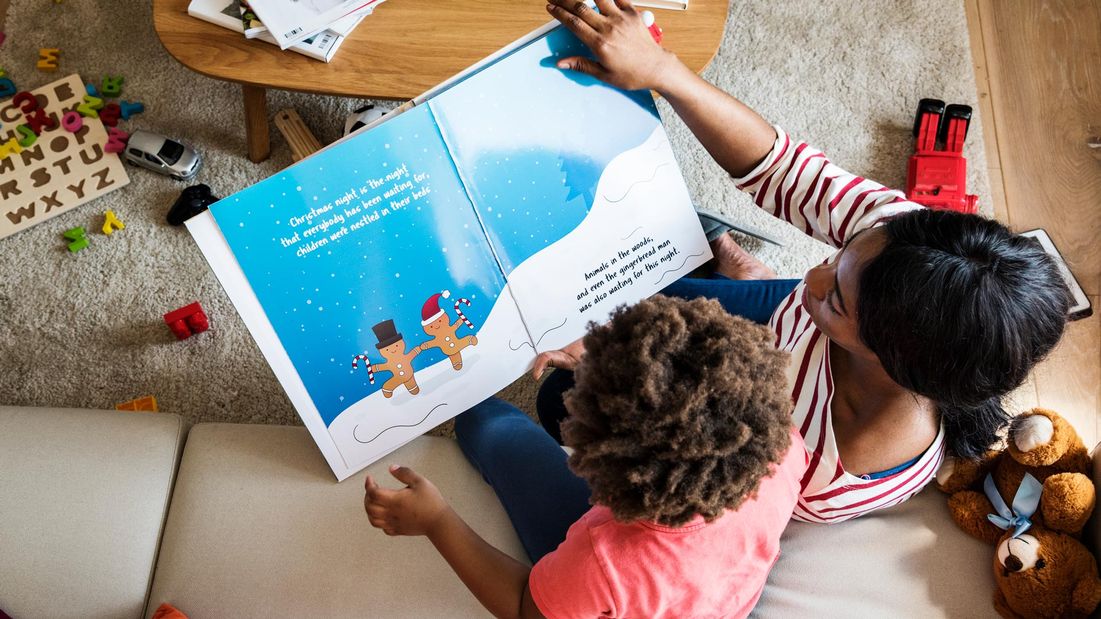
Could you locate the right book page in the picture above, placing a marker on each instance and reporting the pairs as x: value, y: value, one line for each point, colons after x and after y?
x: 575, y: 185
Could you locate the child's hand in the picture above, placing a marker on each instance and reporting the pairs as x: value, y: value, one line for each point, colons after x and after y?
x: 412, y: 510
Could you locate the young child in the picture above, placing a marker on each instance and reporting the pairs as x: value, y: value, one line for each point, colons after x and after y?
x: 680, y: 424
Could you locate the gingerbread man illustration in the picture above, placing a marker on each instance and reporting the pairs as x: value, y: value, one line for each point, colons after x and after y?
x: 443, y: 332
x: 399, y: 362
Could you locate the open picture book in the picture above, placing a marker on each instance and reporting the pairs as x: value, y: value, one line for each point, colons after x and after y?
x: 413, y: 269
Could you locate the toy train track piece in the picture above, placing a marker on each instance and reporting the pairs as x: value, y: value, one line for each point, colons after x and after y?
x: 298, y: 135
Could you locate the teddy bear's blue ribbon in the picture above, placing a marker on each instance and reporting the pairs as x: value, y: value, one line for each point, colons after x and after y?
x: 1024, y: 504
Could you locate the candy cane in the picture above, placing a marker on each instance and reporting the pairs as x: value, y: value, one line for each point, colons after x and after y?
x: 462, y: 316
x: 367, y: 363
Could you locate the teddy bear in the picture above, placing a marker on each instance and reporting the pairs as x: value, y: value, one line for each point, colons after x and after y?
x: 1044, y: 574
x: 1031, y: 500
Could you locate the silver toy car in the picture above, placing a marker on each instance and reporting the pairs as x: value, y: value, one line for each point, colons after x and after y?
x: 161, y: 154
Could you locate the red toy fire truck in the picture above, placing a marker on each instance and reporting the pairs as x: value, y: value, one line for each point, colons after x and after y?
x: 938, y: 178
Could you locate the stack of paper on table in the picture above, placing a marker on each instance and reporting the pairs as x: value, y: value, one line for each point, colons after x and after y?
x: 321, y: 46
x: 291, y: 21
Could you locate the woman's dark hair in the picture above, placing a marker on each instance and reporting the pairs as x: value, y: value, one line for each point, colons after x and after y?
x: 959, y: 309
x: 679, y: 409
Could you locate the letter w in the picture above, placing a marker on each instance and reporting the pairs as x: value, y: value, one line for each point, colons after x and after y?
x: 17, y: 216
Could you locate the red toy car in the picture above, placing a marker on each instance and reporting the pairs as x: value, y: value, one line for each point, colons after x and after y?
x: 938, y: 178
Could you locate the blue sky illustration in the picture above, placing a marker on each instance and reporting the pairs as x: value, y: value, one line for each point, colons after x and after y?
x: 323, y: 304
x: 532, y: 140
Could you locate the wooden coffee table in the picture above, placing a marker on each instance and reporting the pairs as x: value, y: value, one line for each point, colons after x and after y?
x: 401, y: 50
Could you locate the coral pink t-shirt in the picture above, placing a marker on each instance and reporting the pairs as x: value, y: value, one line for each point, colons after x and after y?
x: 607, y: 568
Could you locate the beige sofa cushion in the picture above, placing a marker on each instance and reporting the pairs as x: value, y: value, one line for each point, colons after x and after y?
x: 82, y: 499
x: 259, y: 527
x: 908, y: 561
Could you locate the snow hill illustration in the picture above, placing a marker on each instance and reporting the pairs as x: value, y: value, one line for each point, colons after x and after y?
x: 637, y: 205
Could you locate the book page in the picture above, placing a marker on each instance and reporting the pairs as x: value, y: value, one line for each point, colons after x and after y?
x: 575, y: 184
x: 365, y: 278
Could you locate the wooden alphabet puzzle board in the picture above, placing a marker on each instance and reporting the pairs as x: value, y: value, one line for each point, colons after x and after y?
x: 62, y: 169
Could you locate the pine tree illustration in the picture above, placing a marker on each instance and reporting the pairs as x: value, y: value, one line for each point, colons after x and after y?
x: 580, y: 177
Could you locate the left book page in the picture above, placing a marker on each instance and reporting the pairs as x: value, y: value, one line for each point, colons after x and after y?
x: 365, y: 279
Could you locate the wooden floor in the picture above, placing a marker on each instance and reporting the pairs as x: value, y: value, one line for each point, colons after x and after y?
x: 1038, y: 68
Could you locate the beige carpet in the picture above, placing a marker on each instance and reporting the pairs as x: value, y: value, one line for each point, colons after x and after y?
x: 85, y: 330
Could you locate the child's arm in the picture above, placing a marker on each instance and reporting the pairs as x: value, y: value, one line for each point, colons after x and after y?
x: 498, y: 581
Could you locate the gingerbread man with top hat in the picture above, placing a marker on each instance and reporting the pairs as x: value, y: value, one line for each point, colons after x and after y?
x: 391, y: 346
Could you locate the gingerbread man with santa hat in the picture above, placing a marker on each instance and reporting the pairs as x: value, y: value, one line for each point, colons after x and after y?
x: 439, y: 327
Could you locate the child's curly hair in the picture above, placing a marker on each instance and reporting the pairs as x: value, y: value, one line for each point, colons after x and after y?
x: 679, y: 409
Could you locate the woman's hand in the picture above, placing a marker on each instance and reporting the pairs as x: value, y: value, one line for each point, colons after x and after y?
x: 566, y: 359
x: 413, y: 510
x: 626, y: 55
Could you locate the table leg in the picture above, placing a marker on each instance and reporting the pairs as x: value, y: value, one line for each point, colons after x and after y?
x: 256, y: 122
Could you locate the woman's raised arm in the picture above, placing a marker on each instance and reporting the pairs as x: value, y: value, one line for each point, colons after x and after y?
x: 790, y: 180
x: 627, y: 57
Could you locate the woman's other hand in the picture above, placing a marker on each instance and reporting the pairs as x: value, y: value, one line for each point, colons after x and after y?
x: 626, y: 55
x: 566, y: 359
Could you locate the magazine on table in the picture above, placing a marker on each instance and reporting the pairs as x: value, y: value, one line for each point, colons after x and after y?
x: 679, y: 5
x: 418, y: 266
x: 250, y: 23
x: 322, y: 46
x: 345, y: 25
x: 290, y: 21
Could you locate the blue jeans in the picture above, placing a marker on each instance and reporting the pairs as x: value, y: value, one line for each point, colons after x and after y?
x: 527, y: 469
x: 525, y: 464
x: 755, y: 300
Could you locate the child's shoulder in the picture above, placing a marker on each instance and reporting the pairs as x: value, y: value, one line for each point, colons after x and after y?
x: 598, y: 516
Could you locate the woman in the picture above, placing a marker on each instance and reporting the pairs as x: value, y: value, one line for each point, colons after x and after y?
x: 903, y: 342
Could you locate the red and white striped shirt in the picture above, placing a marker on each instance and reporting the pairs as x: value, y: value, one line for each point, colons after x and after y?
x: 799, y: 185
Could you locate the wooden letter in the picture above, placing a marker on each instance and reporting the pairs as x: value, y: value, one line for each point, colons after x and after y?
x: 90, y: 107
x: 72, y: 121
x: 10, y: 147
x: 111, y: 223
x: 47, y: 58
x: 112, y: 86
x: 116, y: 140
